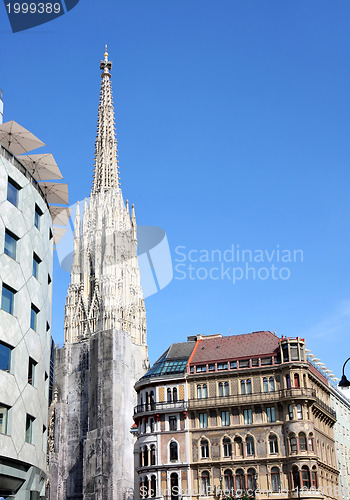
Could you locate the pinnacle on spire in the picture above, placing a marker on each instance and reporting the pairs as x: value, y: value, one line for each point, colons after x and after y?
x: 106, y: 175
x: 77, y: 222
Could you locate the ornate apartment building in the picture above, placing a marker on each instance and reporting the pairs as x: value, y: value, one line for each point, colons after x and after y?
x: 257, y: 418
x: 105, y: 350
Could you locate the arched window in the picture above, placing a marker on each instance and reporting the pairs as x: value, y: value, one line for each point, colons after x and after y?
x: 174, y: 455
x: 273, y: 444
x: 228, y: 481
x: 199, y: 392
x: 243, y: 387
x: 299, y: 412
x: 311, y: 442
x: 275, y: 479
x: 153, y: 455
x: 302, y: 441
x: 205, y: 391
x: 249, y: 442
x: 153, y: 486
x: 227, y: 389
x: 221, y: 389
x: 293, y: 443
x: 151, y: 424
x: 296, y: 381
x: 205, y: 482
x: 251, y: 481
x: 296, y: 477
x: 227, y: 447
x: 143, y: 487
x: 305, y: 475
x: 288, y: 381
x: 314, y: 478
x: 175, y: 395
x: 290, y: 412
x: 169, y: 395
x: 151, y: 399
x: 145, y: 456
x: 265, y: 385
x: 249, y: 386
x: 174, y: 486
x: 204, y: 448
x: 271, y: 384
x: 240, y: 483
x: 238, y: 447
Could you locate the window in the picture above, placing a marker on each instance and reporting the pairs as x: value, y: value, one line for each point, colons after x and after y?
x: 225, y: 418
x: 255, y: 362
x: 175, y: 395
x: 296, y: 381
x: 294, y: 352
x: 169, y: 395
x: 12, y: 192
x: 205, y: 483
x: 202, y: 391
x: 34, y: 317
x: 249, y: 443
x: 314, y: 477
x: 227, y: 389
x: 3, y: 419
x: 10, y: 244
x: 285, y: 352
x: 173, y: 451
x: 246, y: 386
x: 199, y: 392
x: 296, y: 477
x: 227, y: 447
x: 302, y: 441
x: 293, y: 443
x: 205, y: 391
x: 290, y: 412
x: 288, y: 382
x: 275, y: 479
x: 31, y: 371
x: 212, y: 368
x: 204, y: 448
x: 240, y: 480
x: 221, y: 389
x: 222, y: 366
x: 265, y: 385
x: 29, y: 428
x: 244, y: 363
x: 36, y: 262
x: 203, y: 420
x: 5, y: 357
x: 7, y: 299
x: 233, y: 365
x: 251, y: 481
x: 153, y: 491
x: 191, y: 369
x: 37, y: 214
x: 201, y: 369
x: 311, y: 442
x: 270, y: 412
x: 145, y: 456
x: 153, y: 455
x: 151, y: 423
x: 172, y: 423
x: 273, y: 444
x: 174, y: 486
x: 271, y: 384
x: 266, y: 361
x: 305, y: 475
x: 299, y: 412
x: 248, y: 417
x: 228, y: 480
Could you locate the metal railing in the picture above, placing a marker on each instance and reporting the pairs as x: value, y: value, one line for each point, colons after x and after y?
x: 326, y: 408
x: 254, y: 397
x: 167, y: 405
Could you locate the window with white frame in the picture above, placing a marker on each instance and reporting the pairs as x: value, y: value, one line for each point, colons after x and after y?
x: 203, y: 420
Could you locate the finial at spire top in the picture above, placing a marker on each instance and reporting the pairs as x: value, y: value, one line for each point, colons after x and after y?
x: 106, y: 65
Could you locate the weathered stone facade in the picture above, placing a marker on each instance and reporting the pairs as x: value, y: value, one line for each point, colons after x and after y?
x: 105, y: 350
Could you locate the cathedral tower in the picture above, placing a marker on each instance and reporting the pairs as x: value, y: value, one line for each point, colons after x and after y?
x: 105, y: 349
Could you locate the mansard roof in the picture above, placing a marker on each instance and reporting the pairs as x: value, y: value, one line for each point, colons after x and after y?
x: 262, y: 343
x: 172, y: 361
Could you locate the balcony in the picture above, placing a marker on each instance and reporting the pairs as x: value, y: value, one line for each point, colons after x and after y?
x: 253, y: 398
x: 166, y: 406
x: 326, y: 408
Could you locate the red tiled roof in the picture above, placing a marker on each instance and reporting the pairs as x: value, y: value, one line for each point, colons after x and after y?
x: 235, y: 347
x: 318, y: 374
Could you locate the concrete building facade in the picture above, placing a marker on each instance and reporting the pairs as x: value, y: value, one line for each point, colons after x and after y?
x: 105, y: 349
x: 26, y: 252
x: 258, y: 418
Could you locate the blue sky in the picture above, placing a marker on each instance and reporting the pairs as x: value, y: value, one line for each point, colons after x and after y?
x: 233, y: 128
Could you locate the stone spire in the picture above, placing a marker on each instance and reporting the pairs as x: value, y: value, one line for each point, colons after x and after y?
x: 106, y: 153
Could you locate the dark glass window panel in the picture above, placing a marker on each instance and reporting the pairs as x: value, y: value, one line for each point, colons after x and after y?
x: 7, y: 299
x: 12, y: 192
x: 5, y: 357
x: 10, y: 244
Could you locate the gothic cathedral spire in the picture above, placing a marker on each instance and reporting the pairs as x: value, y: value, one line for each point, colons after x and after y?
x: 106, y: 152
